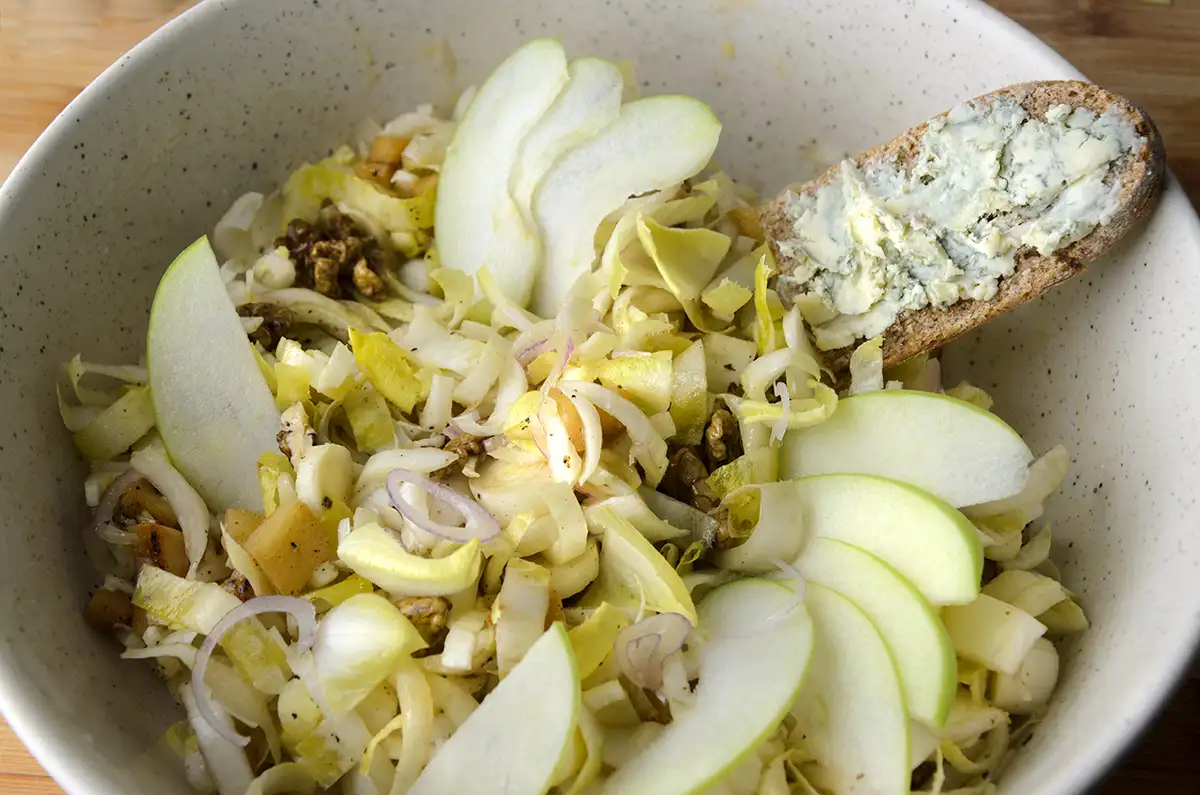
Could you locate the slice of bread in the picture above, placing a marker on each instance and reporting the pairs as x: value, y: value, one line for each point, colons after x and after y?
x: 1140, y: 177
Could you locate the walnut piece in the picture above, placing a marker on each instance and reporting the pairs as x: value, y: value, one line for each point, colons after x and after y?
x: 335, y: 254
x: 276, y: 322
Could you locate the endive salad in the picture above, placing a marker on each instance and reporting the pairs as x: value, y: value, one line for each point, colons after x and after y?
x: 482, y: 457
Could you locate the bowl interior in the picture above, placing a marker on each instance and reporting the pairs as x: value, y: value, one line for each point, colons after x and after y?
x: 236, y: 94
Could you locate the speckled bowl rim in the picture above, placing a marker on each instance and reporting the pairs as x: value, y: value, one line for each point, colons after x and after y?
x: 1077, y: 774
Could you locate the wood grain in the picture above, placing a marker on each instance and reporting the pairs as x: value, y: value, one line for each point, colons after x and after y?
x: 1148, y: 51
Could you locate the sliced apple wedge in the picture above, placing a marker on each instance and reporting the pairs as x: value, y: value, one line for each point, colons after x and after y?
x: 948, y: 447
x: 588, y: 103
x: 933, y: 545
x: 514, y: 741
x: 748, y: 679
x: 851, y: 710
x: 213, y: 408
x: 654, y: 143
x: 912, y: 630
x: 478, y: 223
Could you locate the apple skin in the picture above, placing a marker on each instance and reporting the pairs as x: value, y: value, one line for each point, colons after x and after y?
x: 212, y: 405
x: 910, y: 627
x: 946, y: 446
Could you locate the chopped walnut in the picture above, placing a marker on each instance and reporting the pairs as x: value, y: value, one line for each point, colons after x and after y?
x: 722, y: 438
x: 465, y: 446
x: 325, y: 276
x: 334, y: 254
x: 686, y: 480
x: 427, y: 613
x: 240, y: 587
x: 276, y: 322
x: 367, y: 281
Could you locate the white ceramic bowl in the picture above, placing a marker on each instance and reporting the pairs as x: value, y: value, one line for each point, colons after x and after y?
x: 233, y: 95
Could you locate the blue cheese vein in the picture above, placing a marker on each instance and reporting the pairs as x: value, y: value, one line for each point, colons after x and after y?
x: 987, y: 180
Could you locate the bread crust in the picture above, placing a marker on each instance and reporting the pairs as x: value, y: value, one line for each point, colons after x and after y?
x: 1140, y: 176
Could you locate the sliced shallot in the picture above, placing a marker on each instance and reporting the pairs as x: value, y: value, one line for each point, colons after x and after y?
x: 101, y: 523
x: 641, y: 648
x: 479, y: 524
x: 301, y: 610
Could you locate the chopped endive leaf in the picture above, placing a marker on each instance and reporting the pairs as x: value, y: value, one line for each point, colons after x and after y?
x: 370, y: 420
x: 646, y: 380
x: 387, y: 368
x: 593, y: 639
x: 458, y: 290
x: 627, y: 558
x: 258, y: 653
x: 766, y: 335
x: 689, y: 394
x: 971, y: 394
x: 334, y: 595
x: 271, y: 466
x: 622, y: 237
x: 726, y: 357
x: 866, y: 366
x: 332, y: 179
x: 726, y: 297
x: 1065, y: 618
x: 291, y: 384
x: 992, y: 633
x: 757, y: 466
x: 519, y: 612
x: 685, y: 210
x: 117, y: 427
x: 633, y: 508
x: 377, y: 555
x: 686, y: 260
x: 359, y: 644
x: 801, y: 414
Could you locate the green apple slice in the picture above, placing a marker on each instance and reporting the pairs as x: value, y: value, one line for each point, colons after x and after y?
x: 478, y: 223
x: 912, y: 630
x: 588, y: 103
x: 851, y: 710
x: 748, y: 679
x: 654, y: 143
x: 930, y: 543
x: 948, y: 447
x: 514, y: 741
x: 213, y: 407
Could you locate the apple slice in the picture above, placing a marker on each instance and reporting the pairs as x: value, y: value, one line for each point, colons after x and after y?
x: 588, y: 103
x: 515, y: 740
x: 478, y: 223
x: 851, y: 710
x: 214, y: 410
x: 934, y: 546
x: 655, y: 143
x: 912, y: 630
x: 948, y: 447
x: 752, y: 665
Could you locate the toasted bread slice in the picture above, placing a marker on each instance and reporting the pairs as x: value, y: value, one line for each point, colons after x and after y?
x: 1139, y: 175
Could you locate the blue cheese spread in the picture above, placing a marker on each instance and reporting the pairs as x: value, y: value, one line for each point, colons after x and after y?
x: 987, y: 180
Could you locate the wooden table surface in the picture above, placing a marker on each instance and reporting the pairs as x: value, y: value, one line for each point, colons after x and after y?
x: 1148, y: 50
